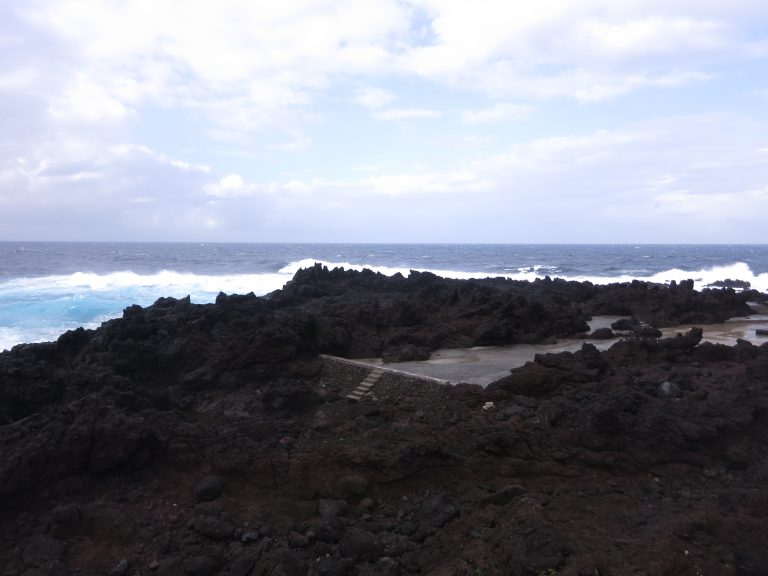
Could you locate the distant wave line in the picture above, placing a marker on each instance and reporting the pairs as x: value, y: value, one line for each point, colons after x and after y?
x: 264, y: 282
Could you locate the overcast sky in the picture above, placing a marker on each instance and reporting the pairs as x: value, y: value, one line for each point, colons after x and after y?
x: 384, y: 121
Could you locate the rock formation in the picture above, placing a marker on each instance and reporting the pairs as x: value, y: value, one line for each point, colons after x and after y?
x: 214, y: 440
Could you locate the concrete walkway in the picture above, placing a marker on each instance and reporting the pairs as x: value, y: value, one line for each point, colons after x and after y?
x: 484, y: 365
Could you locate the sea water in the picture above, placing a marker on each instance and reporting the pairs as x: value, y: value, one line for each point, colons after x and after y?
x: 47, y: 288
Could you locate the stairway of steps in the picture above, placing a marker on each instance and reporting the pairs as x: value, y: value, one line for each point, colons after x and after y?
x: 365, y: 386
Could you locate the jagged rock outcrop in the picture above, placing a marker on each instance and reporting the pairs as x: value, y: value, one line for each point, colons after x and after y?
x: 213, y: 440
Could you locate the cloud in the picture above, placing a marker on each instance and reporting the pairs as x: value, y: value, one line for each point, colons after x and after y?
x: 134, y: 150
x: 239, y: 60
x: 406, y: 113
x: 85, y: 101
x: 373, y: 98
x: 255, y: 71
x: 497, y: 113
x: 758, y: 49
x: 377, y: 101
x: 441, y: 183
x: 230, y: 186
x: 686, y: 204
x: 655, y: 35
x: 682, y: 178
x: 124, y: 192
x: 184, y: 52
x: 590, y: 51
x: 182, y: 120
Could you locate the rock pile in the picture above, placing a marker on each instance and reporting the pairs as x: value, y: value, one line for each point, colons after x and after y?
x: 213, y: 440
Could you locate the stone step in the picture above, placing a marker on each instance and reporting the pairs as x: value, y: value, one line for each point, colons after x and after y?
x: 365, y: 386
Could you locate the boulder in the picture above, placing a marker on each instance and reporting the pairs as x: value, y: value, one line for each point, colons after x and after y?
x: 209, y: 488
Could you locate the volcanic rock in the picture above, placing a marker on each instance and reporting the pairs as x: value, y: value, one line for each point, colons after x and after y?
x: 602, y: 334
x: 209, y: 488
x: 115, y: 441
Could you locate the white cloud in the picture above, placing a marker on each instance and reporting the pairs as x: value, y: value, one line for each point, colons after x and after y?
x: 257, y: 59
x: 128, y: 110
x: 580, y: 84
x: 373, y: 98
x: 86, y: 101
x: 498, y: 113
x: 685, y: 203
x: 231, y: 182
x: 459, y: 182
x: 590, y: 51
x: 406, y: 113
x: 655, y: 35
x: 143, y: 200
x: 587, y: 89
x: 19, y: 79
x: 69, y: 190
x: 229, y: 186
x: 758, y: 49
x: 377, y: 101
x: 254, y: 69
x: 683, y: 178
x: 692, y: 176
x: 192, y: 54
x: 128, y: 150
x: 300, y: 141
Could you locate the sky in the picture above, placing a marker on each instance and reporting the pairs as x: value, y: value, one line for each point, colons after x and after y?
x: 499, y: 121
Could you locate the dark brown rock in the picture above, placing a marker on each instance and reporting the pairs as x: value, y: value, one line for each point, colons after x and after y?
x: 504, y: 495
x: 41, y: 551
x: 109, y: 437
x: 360, y: 545
x: 602, y: 334
x: 213, y: 527
x: 209, y: 488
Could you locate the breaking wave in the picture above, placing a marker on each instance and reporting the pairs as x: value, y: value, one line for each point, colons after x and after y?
x: 39, y: 309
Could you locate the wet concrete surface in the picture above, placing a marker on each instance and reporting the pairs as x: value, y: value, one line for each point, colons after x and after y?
x: 483, y: 365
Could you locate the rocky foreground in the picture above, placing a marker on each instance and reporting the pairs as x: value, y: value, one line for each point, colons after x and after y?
x: 214, y: 440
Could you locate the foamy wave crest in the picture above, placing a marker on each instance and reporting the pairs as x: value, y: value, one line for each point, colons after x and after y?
x: 293, y: 267
x: 40, y: 309
x: 200, y: 288
x: 702, y: 278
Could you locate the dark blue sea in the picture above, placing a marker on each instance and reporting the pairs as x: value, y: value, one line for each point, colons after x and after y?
x: 47, y: 288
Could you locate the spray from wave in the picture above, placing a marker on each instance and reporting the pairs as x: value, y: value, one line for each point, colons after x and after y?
x: 703, y: 278
x: 39, y: 309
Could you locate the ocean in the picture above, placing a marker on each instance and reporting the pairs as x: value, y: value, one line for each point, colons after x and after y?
x: 47, y: 288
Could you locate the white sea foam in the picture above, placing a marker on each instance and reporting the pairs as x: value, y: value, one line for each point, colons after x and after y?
x: 201, y: 288
x: 291, y: 269
x: 11, y: 336
x: 702, y: 278
x: 39, y: 309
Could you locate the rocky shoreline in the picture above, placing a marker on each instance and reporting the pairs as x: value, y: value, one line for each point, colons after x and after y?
x: 215, y: 440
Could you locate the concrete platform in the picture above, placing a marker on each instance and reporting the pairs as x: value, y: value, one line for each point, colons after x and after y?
x: 483, y: 365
